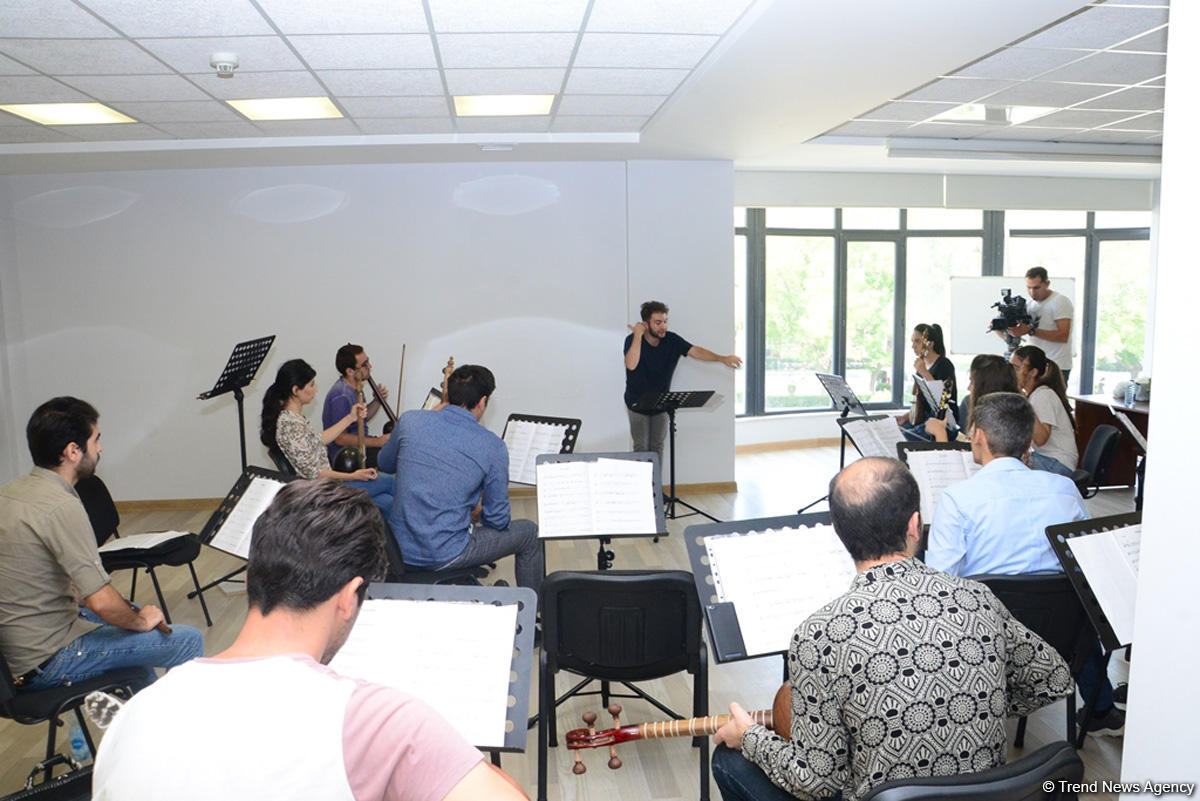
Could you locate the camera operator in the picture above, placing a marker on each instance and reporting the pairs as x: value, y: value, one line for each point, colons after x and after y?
x: 1051, y: 327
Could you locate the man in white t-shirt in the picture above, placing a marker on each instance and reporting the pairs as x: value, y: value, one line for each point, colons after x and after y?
x: 266, y: 719
x: 1052, y: 313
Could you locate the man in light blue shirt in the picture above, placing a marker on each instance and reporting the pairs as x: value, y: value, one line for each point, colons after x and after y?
x: 995, y: 521
x: 445, y: 462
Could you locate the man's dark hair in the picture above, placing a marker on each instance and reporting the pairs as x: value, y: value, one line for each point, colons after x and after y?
x: 347, y: 358
x: 870, y: 512
x: 468, y: 384
x: 1007, y: 420
x: 652, y: 307
x: 1038, y: 272
x: 56, y: 424
x: 314, y: 538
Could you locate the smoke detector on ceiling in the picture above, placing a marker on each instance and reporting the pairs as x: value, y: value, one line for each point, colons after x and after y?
x: 224, y: 64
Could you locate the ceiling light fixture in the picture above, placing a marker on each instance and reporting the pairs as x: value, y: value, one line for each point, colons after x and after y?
x: 502, y: 105
x: 286, y: 108
x: 68, y: 113
x: 983, y: 114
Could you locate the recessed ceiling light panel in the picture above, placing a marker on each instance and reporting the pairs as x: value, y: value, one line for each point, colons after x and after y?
x: 68, y: 113
x: 983, y: 114
x: 502, y: 105
x: 286, y: 108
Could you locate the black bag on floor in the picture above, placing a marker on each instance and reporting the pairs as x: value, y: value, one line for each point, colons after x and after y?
x: 75, y: 785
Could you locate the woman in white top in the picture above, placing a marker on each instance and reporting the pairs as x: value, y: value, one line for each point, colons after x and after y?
x: 1054, y: 447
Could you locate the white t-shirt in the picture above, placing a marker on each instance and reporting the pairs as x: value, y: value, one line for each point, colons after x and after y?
x: 1061, y: 444
x: 1056, y: 307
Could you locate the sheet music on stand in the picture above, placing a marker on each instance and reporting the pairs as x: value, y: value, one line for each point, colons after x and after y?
x: 527, y: 436
x: 463, y: 650
x: 1130, y: 427
x: 874, y: 435
x: 1100, y: 557
x: 599, y: 495
x: 230, y: 526
x: 759, y: 579
x: 432, y: 398
x: 937, y: 466
x: 930, y: 390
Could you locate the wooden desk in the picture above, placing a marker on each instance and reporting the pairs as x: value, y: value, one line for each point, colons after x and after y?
x: 1091, y: 411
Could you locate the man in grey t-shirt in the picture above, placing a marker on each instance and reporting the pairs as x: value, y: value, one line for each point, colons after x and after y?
x: 1052, y: 313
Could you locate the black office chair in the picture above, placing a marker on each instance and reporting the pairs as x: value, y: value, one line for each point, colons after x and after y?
x: 619, y: 626
x: 102, y: 512
x: 400, y: 573
x: 1097, y: 459
x: 281, y: 463
x: 42, y: 706
x: 1023, y: 780
x: 1049, y: 607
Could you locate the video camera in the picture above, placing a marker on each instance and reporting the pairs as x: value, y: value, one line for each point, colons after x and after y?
x: 1011, y: 312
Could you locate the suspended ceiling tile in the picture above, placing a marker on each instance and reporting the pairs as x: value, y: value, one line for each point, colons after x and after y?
x: 1072, y: 118
x: 1153, y: 42
x: 642, y: 50
x: 665, y: 16
x: 37, y: 89
x: 255, y: 53
x: 1145, y: 122
x: 504, y: 82
x: 1019, y: 63
x: 584, y: 124
x: 125, y: 132
x: 505, y: 50
x: 412, y: 125
x: 1045, y: 93
x: 624, y: 81
x: 366, y: 51
x: 1028, y: 133
x: 10, y: 67
x: 136, y: 18
x: 503, y: 124
x: 210, y: 130
x: 82, y: 56
x: 958, y: 90
x: 874, y: 129
x: 180, y: 111
x: 380, y: 83
x: 907, y: 111
x: 1137, y: 98
x: 1111, y: 68
x: 615, y: 105
x: 361, y: 16
x: 136, y: 87
x: 32, y: 134
x: 1108, y: 136
x: 949, y: 130
x: 259, y: 84
x: 509, y: 15
x: 1098, y: 27
x: 60, y: 18
x: 335, y: 127
x: 361, y: 108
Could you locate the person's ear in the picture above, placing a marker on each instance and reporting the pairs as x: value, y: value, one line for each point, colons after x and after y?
x: 347, y: 598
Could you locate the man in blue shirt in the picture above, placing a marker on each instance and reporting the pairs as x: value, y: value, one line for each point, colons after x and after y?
x: 354, y: 367
x: 444, y: 461
x: 995, y: 521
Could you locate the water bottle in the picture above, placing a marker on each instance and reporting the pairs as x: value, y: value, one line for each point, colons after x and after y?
x: 1130, y: 392
x: 79, y: 747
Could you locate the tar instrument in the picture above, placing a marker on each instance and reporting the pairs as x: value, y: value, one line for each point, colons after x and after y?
x: 351, y: 458
x: 391, y: 416
x: 777, y: 718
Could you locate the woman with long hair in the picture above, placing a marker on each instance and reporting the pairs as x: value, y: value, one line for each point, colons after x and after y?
x: 286, y: 431
x: 989, y: 373
x: 1054, y: 447
x: 931, y: 364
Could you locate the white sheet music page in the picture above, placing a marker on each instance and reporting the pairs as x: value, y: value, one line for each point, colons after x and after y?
x: 140, y: 541
x: 564, y: 499
x: 1109, y: 560
x: 777, y: 578
x: 622, y: 497
x: 875, y: 437
x: 937, y: 470
x: 456, y: 657
x: 518, y: 437
x: 234, y: 534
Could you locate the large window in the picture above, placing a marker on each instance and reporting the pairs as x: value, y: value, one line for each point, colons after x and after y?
x: 839, y: 290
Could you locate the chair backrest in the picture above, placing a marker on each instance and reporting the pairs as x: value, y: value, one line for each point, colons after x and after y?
x: 101, y: 510
x: 1022, y: 780
x: 1101, y: 450
x: 281, y: 463
x: 1049, y: 607
x: 623, y: 625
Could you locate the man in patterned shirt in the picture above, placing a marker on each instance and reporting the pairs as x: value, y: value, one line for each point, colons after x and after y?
x: 910, y: 673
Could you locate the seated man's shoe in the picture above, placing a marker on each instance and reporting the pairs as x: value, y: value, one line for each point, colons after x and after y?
x: 1120, y: 696
x: 1107, y: 724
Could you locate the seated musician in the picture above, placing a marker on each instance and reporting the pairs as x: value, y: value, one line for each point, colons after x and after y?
x: 285, y: 430
x: 989, y: 373
x: 910, y: 673
x: 266, y: 718
x: 444, y: 461
x: 354, y: 370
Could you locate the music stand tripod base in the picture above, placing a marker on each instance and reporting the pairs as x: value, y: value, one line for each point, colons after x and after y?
x: 655, y: 402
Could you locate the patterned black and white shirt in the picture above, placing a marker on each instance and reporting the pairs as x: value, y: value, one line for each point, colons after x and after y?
x: 910, y: 673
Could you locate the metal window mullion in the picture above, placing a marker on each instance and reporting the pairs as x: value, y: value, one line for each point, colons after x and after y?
x: 756, y: 311
x: 993, y: 243
x: 899, y: 321
x: 1091, y: 295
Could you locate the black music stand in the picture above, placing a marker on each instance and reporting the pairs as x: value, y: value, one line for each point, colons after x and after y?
x: 844, y: 399
x: 226, y: 507
x: 1060, y: 537
x: 523, y: 645
x: 604, y: 557
x: 570, y: 435
x: 655, y: 402
x: 239, y: 371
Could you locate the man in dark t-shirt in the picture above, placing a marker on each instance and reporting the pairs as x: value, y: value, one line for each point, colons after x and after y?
x: 651, y: 353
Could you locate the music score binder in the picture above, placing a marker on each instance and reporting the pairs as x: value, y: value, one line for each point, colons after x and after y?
x: 872, y: 435
x: 545, y: 435
x: 653, y: 488
x: 724, y: 626
x: 238, y: 542
x: 1061, y: 537
x: 956, y: 468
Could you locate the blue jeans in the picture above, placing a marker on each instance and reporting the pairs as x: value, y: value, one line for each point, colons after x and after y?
x: 739, y: 779
x: 1040, y: 461
x: 379, y: 489
x: 109, y: 647
x: 917, y: 433
x: 488, y: 544
x: 1091, y: 675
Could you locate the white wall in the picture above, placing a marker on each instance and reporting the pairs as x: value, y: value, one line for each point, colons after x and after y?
x: 129, y: 290
x: 1161, y: 743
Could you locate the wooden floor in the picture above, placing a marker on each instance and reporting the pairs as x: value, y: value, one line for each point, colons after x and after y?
x: 773, y: 483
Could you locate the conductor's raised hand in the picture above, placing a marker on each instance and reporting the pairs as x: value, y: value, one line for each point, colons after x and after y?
x: 732, y: 361
x: 638, y: 329
x: 730, y: 735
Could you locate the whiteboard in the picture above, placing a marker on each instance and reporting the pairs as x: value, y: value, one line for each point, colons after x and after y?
x: 971, y: 299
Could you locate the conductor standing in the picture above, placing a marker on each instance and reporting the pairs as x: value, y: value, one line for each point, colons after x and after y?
x: 651, y: 353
